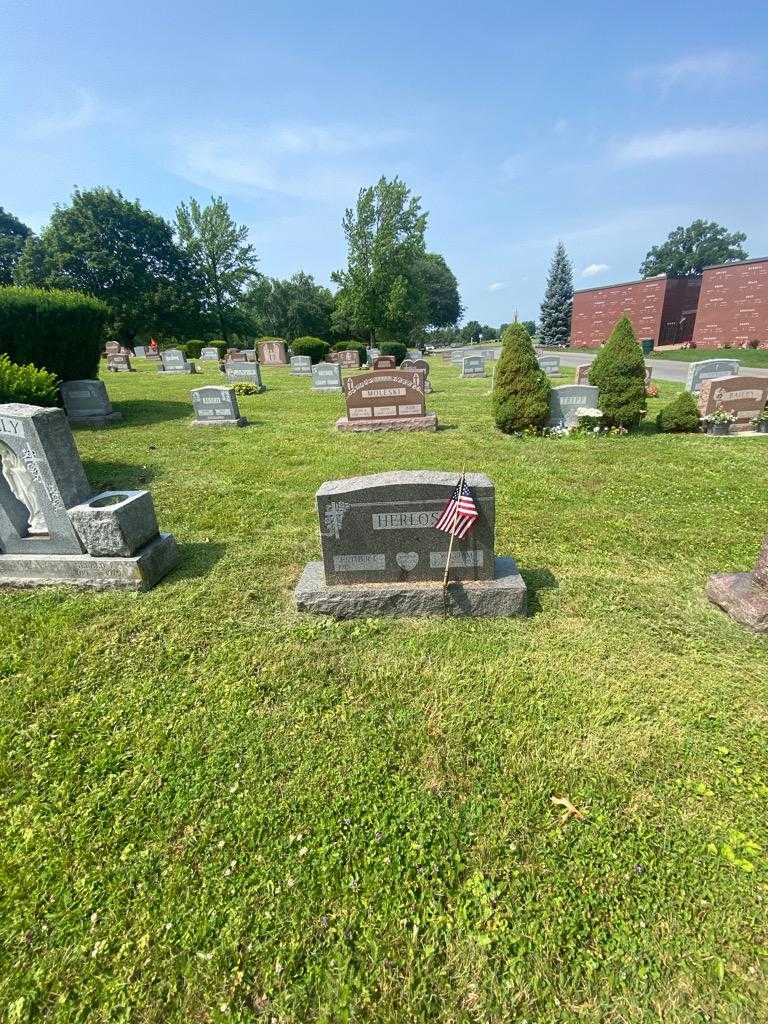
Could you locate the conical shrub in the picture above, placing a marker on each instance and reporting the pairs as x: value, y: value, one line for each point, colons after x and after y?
x: 618, y: 372
x: 680, y: 416
x: 520, y: 390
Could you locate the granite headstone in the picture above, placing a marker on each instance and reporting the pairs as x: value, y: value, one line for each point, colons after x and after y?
x: 742, y: 395
x: 87, y: 403
x: 326, y: 377
x: 216, y: 407
x: 565, y: 402
x: 709, y: 369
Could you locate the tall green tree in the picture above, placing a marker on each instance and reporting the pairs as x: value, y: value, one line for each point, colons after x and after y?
x: 471, y: 331
x: 13, y: 234
x: 218, y: 249
x: 35, y: 268
x: 109, y: 247
x: 555, y: 317
x: 437, y: 280
x: 293, y: 308
x: 688, y: 250
x: 618, y: 372
x: 521, y: 389
x: 379, y: 295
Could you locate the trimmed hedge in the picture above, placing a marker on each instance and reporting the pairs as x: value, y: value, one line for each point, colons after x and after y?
x: 315, y: 348
x: 680, y: 416
x: 59, y: 331
x: 618, y: 372
x: 27, y: 384
x: 394, y: 348
x: 521, y: 389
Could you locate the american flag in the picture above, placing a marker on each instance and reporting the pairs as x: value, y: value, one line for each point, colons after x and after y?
x: 460, y: 514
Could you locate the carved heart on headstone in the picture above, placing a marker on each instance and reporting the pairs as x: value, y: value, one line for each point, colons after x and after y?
x: 407, y: 560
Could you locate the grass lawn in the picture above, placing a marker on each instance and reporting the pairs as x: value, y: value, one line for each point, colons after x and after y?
x: 216, y: 810
x: 746, y: 356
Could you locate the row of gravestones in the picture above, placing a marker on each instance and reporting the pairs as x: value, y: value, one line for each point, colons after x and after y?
x: 473, y: 365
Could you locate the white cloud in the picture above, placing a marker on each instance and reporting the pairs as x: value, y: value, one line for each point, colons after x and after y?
x: 82, y: 113
x: 594, y: 269
x: 498, y: 286
x: 696, y: 69
x: 303, y: 161
x: 693, y: 142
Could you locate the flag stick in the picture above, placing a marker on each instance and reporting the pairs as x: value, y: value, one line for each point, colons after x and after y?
x: 453, y: 527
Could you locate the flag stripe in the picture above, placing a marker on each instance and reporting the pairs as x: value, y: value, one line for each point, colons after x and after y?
x: 460, y: 514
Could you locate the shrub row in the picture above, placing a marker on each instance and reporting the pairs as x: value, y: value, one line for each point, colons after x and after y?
x: 27, y: 384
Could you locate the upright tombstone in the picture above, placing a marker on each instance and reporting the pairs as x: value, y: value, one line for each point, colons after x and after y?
x: 419, y: 364
x: 209, y: 354
x: 373, y: 353
x: 273, y: 352
x: 173, y: 360
x: 348, y: 358
x: 239, y: 370
x: 744, y: 396
x: 250, y: 355
x: 549, y: 364
x: 648, y: 376
x: 473, y: 366
x: 384, y: 363
x: 119, y: 362
x: 301, y: 366
x: 565, y: 402
x: 326, y: 377
x: 709, y: 369
x: 54, y: 530
x: 414, y: 353
x: 140, y: 351
x: 744, y: 595
x: 383, y: 554
x: 216, y: 407
x: 87, y: 403
x: 582, y: 373
x: 386, y: 400
x: 234, y: 353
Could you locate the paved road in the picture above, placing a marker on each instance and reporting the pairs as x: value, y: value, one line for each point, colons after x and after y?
x: 663, y: 369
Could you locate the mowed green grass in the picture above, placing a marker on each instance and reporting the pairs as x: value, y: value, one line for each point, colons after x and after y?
x: 214, y: 809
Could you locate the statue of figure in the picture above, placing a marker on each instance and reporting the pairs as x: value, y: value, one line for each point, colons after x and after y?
x: 22, y: 486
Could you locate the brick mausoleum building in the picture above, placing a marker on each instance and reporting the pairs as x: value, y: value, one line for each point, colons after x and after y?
x: 727, y: 305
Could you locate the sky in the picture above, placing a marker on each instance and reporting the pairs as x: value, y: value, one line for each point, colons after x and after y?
x: 604, y: 124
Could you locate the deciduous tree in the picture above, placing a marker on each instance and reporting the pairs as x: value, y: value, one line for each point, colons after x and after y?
x: 688, y: 250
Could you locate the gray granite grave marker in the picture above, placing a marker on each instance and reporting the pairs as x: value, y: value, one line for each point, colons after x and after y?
x: 565, y: 402
x: 550, y: 365
x: 473, y: 366
x: 174, y: 361
x: 216, y: 407
x: 709, y: 369
x: 326, y: 377
x: 209, y: 354
x: 241, y: 370
x: 87, y: 403
x: 140, y: 351
x: 301, y: 366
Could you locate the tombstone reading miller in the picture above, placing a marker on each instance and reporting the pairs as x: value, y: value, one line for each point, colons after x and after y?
x: 386, y: 400
x: 216, y: 407
x: 384, y: 555
x: 53, y: 529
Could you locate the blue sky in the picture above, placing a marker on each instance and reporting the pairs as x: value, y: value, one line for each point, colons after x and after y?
x: 603, y: 124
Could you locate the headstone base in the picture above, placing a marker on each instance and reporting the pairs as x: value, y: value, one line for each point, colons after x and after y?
x: 389, y: 424
x: 504, y: 596
x: 741, y: 597
x: 241, y: 421
x: 141, y: 572
x: 95, y: 421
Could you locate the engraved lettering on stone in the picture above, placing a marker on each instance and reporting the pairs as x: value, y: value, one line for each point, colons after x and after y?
x: 404, y: 520
x: 358, y: 563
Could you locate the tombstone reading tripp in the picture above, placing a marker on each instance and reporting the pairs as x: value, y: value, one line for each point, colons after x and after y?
x: 744, y: 595
x: 86, y: 403
x: 550, y: 365
x: 386, y: 400
x: 173, y: 360
x: 301, y: 366
x: 742, y: 395
x: 565, y: 402
x: 384, y: 363
x: 384, y: 555
x: 241, y: 370
x: 209, y: 354
x: 473, y: 366
x: 709, y: 369
x: 53, y: 529
x: 273, y: 353
x: 326, y: 377
x: 216, y: 407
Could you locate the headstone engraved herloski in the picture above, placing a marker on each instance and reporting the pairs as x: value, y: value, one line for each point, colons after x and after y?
x: 87, y: 403
x: 383, y: 555
x: 54, y: 530
x: 216, y: 407
x: 386, y: 400
x: 744, y: 595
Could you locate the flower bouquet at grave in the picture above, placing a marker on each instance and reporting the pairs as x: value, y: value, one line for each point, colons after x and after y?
x: 719, y: 421
x: 245, y: 387
x: 589, y: 420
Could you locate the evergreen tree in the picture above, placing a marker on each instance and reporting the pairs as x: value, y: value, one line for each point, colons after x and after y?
x: 521, y: 389
x: 680, y: 416
x: 618, y: 372
x: 555, y: 318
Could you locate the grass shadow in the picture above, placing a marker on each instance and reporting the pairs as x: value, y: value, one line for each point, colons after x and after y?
x: 115, y: 476
x: 146, y: 410
x: 537, y: 579
x: 197, y: 559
